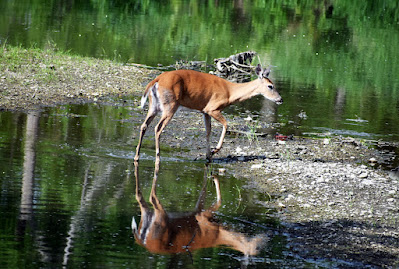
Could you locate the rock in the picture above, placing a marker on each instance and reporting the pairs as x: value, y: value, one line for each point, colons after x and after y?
x: 394, y: 174
x: 222, y: 171
x: 392, y: 192
x: 256, y: 166
x: 290, y: 197
x: 367, y: 182
x: 372, y: 160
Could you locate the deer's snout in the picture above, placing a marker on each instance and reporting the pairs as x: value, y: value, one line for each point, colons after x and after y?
x: 279, y: 101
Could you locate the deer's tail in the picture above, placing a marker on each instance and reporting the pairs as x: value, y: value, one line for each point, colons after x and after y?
x: 148, y: 89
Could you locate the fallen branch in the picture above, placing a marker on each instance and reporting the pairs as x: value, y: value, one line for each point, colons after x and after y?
x: 236, y: 67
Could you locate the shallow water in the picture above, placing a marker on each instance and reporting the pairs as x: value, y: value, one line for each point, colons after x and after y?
x: 68, y: 195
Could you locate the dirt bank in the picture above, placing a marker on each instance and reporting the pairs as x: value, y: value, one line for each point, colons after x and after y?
x: 30, y: 79
x: 333, y: 206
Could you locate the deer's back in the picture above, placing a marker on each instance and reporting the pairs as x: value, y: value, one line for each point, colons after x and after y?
x: 193, y: 89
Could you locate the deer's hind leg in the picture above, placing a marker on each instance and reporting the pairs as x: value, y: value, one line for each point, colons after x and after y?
x: 154, y: 108
x: 169, y: 108
x: 150, y: 116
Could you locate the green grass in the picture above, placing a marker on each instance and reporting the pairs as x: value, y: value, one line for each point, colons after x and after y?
x: 253, y: 126
x: 14, y: 58
x: 45, y: 65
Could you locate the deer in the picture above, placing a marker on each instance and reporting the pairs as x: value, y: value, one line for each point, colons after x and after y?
x: 163, y: 232
x: 203, y: 92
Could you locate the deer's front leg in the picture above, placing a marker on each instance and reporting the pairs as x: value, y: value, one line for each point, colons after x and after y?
x: 217, y: 115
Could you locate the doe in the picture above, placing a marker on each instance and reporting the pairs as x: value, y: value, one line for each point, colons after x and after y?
x: 204, y: 92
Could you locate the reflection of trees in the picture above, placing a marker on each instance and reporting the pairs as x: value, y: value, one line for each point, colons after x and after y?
x: 32, y: 129
x: 26, y: 205
x: 339, y: 104
x: 92, y: 191
x: 33, y: 225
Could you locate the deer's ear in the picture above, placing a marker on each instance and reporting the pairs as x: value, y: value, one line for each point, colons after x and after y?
x: 258, y: 71
x: 266, y: 73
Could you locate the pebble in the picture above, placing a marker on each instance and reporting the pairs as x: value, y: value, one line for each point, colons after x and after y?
x: 392, y: 192
x: 367, y: 182
x: 372, y: 160
x: 289, y: 197
x: 256, y: 166
x: 281, y: 205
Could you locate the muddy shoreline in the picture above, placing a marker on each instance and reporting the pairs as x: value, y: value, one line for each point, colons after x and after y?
x: 333, y: 205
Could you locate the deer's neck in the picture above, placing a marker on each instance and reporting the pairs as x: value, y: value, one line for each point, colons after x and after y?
x: 243, y: 91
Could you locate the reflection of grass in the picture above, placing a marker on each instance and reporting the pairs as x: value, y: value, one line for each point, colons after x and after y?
x: 268, y: 195
x: 239, y: 193
x: 239, y: 199
x: 209, y: 168
x: 252, y: 126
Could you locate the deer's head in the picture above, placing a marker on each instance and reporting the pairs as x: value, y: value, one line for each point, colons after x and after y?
x: 267, y: 89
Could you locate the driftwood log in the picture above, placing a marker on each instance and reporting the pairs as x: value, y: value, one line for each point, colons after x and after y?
x: 236, y: 67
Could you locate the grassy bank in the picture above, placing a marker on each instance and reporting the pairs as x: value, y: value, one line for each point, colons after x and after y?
x: 32, y: 78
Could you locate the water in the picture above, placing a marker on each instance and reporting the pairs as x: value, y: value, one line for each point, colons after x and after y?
x: 68, y: 195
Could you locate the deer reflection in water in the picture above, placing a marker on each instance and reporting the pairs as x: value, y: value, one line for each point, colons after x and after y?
x: 164, y: 232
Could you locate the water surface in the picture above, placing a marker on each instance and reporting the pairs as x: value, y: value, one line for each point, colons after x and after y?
x: 68, y: 195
